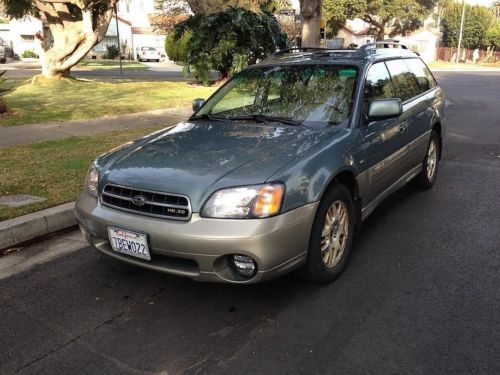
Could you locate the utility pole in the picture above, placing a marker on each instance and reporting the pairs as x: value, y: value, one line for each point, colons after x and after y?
x: 461, y: 31
x: 119, y: 46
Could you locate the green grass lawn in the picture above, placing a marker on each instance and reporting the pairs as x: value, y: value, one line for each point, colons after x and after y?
x: 54, y: 170
x: 111, y: 64
x: 71, y: 99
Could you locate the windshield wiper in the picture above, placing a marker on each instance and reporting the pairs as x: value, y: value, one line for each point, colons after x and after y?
x: 266, y: 118
x: 207, y: 116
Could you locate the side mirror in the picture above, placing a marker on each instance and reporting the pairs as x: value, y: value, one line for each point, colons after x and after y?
x: 197, y: 104
x: 382, y: 109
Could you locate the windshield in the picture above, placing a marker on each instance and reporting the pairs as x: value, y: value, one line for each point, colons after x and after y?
x: 317, y: 95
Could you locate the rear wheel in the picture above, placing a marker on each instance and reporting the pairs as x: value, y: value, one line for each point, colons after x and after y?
x: 427, y: 176
x: 331, y: 236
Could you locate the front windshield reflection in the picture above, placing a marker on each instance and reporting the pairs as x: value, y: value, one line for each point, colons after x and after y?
x: 310, y: 94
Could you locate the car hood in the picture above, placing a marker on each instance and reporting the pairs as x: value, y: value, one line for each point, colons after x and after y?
x: 197, y: 158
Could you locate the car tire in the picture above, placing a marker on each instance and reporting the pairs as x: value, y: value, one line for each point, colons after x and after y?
x: 331, y: 236
x: 427, y: 176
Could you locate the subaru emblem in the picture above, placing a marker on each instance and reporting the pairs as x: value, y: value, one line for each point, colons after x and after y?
x: 139, y: 200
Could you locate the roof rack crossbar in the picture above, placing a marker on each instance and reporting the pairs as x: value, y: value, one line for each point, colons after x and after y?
x: 302, y: 49
x: 385, y: 43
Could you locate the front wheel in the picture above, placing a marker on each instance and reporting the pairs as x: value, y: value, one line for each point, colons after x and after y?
x: 427, y: 176
x: 331, y: 236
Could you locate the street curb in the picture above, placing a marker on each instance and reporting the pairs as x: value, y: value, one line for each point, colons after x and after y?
x: 27, y: 227
x: 459, y: 70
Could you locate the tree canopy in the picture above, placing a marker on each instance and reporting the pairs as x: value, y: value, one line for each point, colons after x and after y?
x: 478, y: 20
x: 493, y: 35
x: 171, y: 12
x: 228, y: 41
x: 400, y: 15
x: 73, y: 27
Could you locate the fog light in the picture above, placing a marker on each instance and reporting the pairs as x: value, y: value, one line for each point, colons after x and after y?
x: 244, y: 265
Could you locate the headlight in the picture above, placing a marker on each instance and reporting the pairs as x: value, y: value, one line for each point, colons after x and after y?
x: 92, y: 181
x: 245, y: 202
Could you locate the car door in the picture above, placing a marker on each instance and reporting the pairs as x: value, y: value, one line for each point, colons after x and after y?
x: 419, y: 124
x: 385, y: 141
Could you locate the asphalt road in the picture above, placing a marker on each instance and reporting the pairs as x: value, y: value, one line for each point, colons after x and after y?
x: 421, y: 294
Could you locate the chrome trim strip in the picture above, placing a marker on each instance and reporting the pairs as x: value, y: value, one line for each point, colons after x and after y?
x: 145, y: 201
x: 164, y: 217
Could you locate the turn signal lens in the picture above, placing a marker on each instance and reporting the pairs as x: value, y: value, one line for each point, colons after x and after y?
x: 268, y: 202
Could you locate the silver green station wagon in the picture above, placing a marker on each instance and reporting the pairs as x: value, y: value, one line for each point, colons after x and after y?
x: 275, y: 171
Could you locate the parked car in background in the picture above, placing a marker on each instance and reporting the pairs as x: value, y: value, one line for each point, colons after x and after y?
x: 148, y: 54
x: 274, y: 171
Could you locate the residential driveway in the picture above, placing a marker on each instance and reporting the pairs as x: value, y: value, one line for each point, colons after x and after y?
x: 421, y: 294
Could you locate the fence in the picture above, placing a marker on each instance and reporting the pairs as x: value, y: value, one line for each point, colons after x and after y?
x: 449, y: 54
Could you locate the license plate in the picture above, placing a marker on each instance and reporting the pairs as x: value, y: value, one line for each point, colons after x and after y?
x: 130, y: 243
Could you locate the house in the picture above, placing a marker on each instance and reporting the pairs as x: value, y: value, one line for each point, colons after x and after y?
x: 19, y: 35
x: 135, y: 29
x: 355, y: 32
x: 422, y: 41
x: 347, y: 36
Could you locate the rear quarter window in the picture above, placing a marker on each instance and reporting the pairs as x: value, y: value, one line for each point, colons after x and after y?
x: 405, y: 81
x: 424, y: 78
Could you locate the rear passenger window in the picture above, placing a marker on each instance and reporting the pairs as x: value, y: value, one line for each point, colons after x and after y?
x: 378, y: 84
x: 406, y: 83
x: 422, y: 74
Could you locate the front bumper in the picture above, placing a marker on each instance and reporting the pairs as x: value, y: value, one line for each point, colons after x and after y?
x: 200, y: 248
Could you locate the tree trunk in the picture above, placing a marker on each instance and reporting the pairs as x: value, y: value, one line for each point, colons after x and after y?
x: 51, y: 68
x: 310, y: 10
x: 72, y: 37
x: 381, y: 32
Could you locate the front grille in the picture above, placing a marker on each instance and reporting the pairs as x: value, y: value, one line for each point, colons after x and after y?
x: 147, y: 202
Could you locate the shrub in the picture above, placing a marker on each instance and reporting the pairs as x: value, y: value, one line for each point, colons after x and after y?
x: 29, y: 55
x: 177, y: 48
x: 200, y: 68
x: 112, y: 52
x: 3, y: 106
x: 228, y: 41
x: 493, y: 35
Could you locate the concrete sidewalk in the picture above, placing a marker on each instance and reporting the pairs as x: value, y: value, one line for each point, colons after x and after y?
x: 24, y: 134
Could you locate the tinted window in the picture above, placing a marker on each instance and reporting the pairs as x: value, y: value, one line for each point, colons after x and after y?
x: 422, y: 74
x: 378, y: 84
x: 405, y: 81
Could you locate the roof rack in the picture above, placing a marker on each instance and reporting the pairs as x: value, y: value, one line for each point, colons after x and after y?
x: 384, y: 43
x: 301, y: 49
x: 362, y: 52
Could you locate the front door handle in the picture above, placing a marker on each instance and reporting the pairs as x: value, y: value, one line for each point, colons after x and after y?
x: 402, y: 127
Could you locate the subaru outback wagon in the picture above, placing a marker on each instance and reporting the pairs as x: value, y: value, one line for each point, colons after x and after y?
x: 274, y: 171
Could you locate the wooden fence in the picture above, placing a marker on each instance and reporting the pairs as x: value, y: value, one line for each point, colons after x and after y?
x: 449, y: 54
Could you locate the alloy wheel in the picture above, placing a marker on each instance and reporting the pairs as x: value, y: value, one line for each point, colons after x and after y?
x: 335, y: 233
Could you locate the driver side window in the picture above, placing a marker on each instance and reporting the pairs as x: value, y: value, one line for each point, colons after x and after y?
x: 378, y: 84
